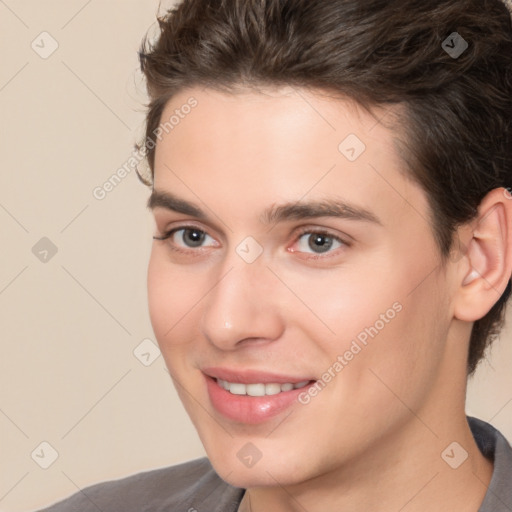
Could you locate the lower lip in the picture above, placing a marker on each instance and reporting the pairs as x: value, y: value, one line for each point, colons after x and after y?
x: 250, y: 409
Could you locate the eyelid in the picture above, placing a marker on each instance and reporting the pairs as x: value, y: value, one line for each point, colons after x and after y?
x: 320, y: 257
x: 169, y: 232
x: 344, y: 239
x: 184, y: 224
x: 341, y: 237
x: 168, y: 218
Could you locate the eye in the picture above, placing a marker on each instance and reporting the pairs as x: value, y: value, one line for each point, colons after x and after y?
x: 188, y: 238
x: 317, y: 243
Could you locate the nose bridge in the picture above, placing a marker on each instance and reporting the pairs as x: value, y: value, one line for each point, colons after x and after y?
x: 240, y: 305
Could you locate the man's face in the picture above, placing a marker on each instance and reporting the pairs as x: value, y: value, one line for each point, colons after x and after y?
x: 300, y: 254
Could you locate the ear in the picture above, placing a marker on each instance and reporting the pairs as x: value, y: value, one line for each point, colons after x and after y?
x: 486, y: 267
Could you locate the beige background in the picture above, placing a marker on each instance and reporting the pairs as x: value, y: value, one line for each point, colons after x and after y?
x: 68, y: 374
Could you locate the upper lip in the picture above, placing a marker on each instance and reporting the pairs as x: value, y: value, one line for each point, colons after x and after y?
x: 252, y: 376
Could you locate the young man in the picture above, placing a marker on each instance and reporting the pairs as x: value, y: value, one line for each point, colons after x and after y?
x: 333, y: 253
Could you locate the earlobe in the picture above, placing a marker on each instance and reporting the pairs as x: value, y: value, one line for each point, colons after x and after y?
x: 489, y: 255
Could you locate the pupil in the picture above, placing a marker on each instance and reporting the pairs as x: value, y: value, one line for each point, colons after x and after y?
x: 193, y: 237
x: 320, y: 243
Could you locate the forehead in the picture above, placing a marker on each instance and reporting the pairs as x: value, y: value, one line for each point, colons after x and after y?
x: 253, y: 149
x: 260, y: 122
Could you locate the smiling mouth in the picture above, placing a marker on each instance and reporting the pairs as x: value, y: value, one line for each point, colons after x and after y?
x: 260, y: 389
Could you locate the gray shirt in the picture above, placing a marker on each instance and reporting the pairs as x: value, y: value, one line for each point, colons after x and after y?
x: 195, y: 487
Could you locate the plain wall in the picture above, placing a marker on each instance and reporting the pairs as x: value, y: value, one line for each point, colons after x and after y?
x: 68, y: 374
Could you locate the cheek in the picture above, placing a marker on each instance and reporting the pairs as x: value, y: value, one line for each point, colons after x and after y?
x: 392, y: 364
x: 172, y: 295
x: 401, y: 362
x: 350, y: 303
x: 375, y: 320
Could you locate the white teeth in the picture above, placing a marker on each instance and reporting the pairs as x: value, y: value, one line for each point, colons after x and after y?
x: 272, y: 389
x: 258, y: 389
x: 255, y: 389
x: 237, y: 389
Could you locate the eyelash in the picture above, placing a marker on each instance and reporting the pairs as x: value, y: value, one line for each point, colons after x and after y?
x: 298, y: 236
x: 170, y: 233
x: 321, y: 232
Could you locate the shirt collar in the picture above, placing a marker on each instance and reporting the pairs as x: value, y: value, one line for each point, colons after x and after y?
x: 496, y: 448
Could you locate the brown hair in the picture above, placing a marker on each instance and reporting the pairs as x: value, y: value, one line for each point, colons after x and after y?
x: 458, y: 108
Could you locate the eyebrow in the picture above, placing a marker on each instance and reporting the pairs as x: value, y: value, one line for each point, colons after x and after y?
x: 323, y: 208
x: 165, y: 200
x: 276, y: 213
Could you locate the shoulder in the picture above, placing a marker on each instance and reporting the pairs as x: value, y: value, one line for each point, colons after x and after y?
x: 184, y: 487
x: 495, y: 447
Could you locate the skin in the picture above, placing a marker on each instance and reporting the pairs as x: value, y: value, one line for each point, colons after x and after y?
x: 372, y: 438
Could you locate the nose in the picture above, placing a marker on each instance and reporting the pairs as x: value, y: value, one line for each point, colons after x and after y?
x: 243, y: 308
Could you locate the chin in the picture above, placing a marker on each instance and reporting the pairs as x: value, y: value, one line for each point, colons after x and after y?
x: 267, y: 471
x: 253, y: 477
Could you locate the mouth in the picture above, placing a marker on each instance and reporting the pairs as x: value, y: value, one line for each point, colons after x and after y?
x: 260, y: 388
x: 252, y: 397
